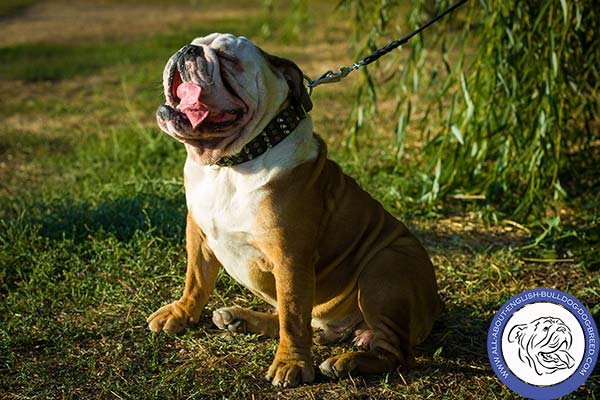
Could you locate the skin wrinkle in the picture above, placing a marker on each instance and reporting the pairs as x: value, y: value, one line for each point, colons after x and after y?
x: 298, y: 232
x: 266, y: 82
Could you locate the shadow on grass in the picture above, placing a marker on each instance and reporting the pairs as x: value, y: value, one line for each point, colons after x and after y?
x: 120, y: 218
x: 56, y: 62
x: 461, y: 334
x: 59, y: 237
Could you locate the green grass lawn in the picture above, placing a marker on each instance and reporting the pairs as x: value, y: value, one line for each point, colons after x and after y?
x: 92, y: 216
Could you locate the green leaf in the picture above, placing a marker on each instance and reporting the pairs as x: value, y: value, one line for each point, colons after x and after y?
x: 467, y: 96
x: 563, y: 5
x: 543, y: 122
x: 436, y: 181
x: 415, y: 80
x: 400, y: 130
x: 401, y: 127
x: 541, y: 15
x: 457, y: 133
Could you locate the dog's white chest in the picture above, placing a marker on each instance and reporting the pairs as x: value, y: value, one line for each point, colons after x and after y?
x: 225, y: 204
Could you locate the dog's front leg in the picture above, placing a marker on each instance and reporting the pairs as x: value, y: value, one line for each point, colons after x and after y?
x: 200, y: 279
x: 295, y: 285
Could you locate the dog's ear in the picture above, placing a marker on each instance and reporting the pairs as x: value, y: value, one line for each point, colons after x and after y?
x: 294, y: 76
x: 516, y: 333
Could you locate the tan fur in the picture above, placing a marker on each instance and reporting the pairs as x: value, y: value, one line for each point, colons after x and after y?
x: 330, y: 250
x: 335, y: 250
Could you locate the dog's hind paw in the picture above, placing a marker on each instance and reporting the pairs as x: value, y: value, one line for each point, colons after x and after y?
x: 374, y: 361
x: 227, y: 319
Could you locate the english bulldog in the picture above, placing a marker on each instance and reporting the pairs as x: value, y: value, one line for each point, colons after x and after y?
x: 544, y: 344
x: 266, y: 204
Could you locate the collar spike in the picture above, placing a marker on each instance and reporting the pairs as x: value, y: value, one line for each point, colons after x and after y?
x: 275, y: 132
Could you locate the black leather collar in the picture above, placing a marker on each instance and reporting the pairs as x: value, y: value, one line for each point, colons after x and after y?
x: 278, y: 129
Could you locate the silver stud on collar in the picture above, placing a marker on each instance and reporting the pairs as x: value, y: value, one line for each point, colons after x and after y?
x: 275, y: 132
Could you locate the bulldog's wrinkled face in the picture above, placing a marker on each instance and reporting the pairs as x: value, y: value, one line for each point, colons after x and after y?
x: 237, y: 89
x: 544, y: 344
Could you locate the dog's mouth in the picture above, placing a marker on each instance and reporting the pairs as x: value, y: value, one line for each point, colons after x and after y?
x: 201, y: 116
x: 190, y: 110
x: 557, y: 355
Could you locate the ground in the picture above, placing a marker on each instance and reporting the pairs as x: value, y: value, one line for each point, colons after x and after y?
x: 92, y: 218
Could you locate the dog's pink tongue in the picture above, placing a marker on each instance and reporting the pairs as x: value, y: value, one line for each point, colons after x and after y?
x: 189, y: 95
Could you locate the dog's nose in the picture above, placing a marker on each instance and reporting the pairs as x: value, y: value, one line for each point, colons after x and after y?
x: 194, y: 54
x: 192, y: 50
x: 164, y: 113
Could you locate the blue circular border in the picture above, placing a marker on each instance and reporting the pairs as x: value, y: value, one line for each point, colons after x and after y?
x: 517, y: 385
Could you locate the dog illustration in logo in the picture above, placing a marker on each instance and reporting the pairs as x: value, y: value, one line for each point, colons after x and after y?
x: 544, y: 344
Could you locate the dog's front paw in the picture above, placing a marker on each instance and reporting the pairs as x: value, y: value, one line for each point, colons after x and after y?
x: 170, y: 318
x: 291, y: 372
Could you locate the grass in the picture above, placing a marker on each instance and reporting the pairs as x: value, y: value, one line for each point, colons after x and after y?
x: 92, y: 217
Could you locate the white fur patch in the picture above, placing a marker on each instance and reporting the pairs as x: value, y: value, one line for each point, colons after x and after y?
x: 224, y: 201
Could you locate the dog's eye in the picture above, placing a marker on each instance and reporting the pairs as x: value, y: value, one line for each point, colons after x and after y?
x: 225, y: 56
x: 233, y: 61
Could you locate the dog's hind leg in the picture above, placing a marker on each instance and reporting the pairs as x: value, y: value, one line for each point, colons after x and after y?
x: 242, y: 320
x: 397, y: 295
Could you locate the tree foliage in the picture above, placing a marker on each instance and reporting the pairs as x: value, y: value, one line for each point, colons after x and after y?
x: 505, y: 93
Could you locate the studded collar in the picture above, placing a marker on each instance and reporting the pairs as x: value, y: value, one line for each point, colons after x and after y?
x: 278, y: 129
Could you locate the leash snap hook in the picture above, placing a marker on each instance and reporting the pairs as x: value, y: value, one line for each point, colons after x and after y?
x: 330, y: 77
